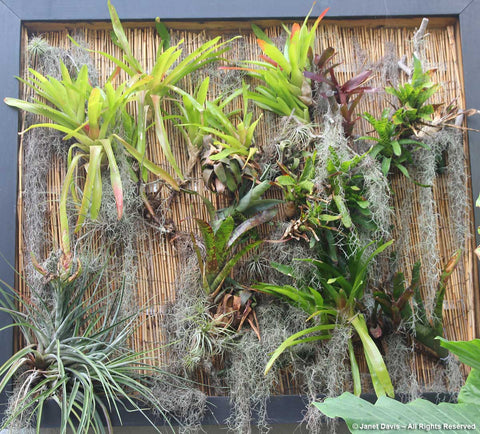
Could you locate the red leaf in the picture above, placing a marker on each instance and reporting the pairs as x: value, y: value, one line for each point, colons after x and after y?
x: 269, y: 60
x: 356, y: 81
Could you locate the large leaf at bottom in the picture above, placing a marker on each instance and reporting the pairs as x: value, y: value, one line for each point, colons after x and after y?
x: 419, y: 415
x: 391, y: 416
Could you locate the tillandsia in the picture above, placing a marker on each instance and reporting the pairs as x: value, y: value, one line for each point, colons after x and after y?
x: 395, y: 305
x: 335, y: 296
x: 284, y: 89
x: 76, y: 355
x: 230, y: 146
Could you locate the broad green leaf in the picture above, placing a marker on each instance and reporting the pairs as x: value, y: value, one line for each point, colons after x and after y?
x: 468, y: 352
x: 417, y: 416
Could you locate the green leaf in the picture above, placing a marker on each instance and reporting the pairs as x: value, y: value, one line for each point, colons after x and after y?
x: 163, y: 32
x: 162, y: 136
x: 260, y: 34
x: 298, y: 338
x: 152, y: 167
x: 378, y: 370
x: 417, y: 416
x: 468, y: 352
x: 397, y: 149
x: 122, y: 39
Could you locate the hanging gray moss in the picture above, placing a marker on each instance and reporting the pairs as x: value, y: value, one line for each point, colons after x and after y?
x: 47, y: 58
x: 425, y: 173
x: 457, y: 184
x: 398, y: 358
x: 376, y: 186
x: 34, y: 191
x: 40, y: 145
x: 248, y: 387
x: 328, y: 375
x: 182, y: 401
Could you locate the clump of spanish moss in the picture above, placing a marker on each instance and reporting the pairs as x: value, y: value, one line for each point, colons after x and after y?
x: 328, y: 375
x: 425, y: 164
x: 375, y: 184
x: 249, y: 387
x: 107, y: 226
x: 183, y: 401
x: 289, y: 139
x: 457, y: 183
x: 388, y: 65
x: 46, y: 58
x: 34, y: 191
x: 283, y: 253
x: 447, y: 377
x: 41, y: 145
x: 398, y: 356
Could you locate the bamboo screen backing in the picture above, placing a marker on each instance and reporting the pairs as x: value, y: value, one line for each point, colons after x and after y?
x: 359, y: 44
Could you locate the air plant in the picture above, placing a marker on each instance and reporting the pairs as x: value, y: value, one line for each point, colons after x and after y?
x: 389, y: 147
x: 76, y: 355
x: 284, y: 89
x: 338, y: 298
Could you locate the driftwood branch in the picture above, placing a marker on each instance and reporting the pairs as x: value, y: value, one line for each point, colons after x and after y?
x: 418, y: 38
x: 418, y: 41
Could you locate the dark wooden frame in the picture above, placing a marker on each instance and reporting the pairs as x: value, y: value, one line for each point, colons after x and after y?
x: 13, y: 13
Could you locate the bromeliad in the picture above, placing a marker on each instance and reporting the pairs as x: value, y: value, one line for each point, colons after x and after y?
x: 285, y: 90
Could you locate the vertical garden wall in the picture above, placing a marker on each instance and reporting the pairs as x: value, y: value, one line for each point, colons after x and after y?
x: 428, y: 212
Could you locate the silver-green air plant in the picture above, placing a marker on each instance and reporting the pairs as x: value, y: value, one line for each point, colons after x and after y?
x: 76, y: 355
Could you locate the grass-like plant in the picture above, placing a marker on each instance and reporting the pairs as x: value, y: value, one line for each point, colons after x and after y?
x: 76, y: 355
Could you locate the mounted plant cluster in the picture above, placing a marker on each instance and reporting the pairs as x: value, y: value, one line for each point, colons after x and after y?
x: 333, y: 204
